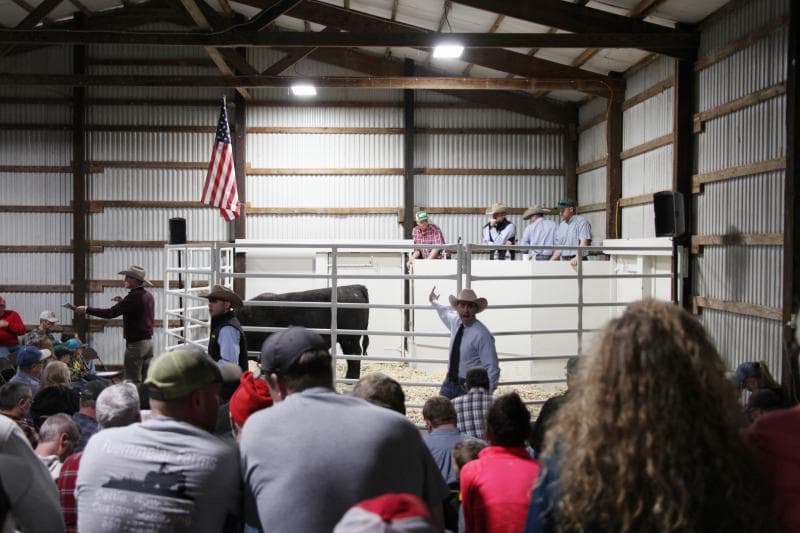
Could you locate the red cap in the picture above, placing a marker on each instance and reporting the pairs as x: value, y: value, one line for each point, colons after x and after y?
x: 250, y: 396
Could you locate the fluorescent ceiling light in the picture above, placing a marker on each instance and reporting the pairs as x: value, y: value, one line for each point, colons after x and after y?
x: 304, y: 89
x: 448, y: 51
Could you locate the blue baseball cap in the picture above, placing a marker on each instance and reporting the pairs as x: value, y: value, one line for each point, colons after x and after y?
x: 30, y: 355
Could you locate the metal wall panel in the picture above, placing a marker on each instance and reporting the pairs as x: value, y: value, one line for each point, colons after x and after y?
x: 598, y: 221
x: 129, y: 224
x: 146, y: 115
x: 659, y: 70
x: 591, y: 109
x: 592, y: 144
x: 324, y: 151
x: 488, y: 151
x: 328, y: 117
x: 742, y: 338
x: 746, y: 274
x: 37, y: 148
x: 756, y: 133
x: 322, y: 227
x: 638, y: 222
x: 29, y: 305
x: 325, y: 191
x: 741, y: 21
x: 474, y: 118
x: 480, y: 191
x: 139, y: 146
x: 36, y: 188
x: 754, y: 68
x: 648, y: 172
x: 139, y: 184
x: 40, y: 113
x: 36, y: 228
x: 592, y: 186
x: 36, y: 268
x: 647, y: 120
x: 108, y: 264
x: 50, y: 60
x: 751, y: 204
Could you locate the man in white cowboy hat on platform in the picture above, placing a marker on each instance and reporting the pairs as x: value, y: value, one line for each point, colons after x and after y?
x: 471, y: 342
x: 499, y: 230
x: 138, y: 312
x: 540, y: 232
x: 227, y: 340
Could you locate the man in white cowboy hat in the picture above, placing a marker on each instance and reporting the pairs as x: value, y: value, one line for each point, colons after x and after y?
x: 540, y: 232
x: 138, y: 312
x: 471, y: 342
x: 499, y: 230
x: 227, y: 340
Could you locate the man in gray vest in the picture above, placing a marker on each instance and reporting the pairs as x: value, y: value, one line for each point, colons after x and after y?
x: 227, y: 342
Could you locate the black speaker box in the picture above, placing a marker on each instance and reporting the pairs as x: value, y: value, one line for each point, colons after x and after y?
x: 669, y: 214
x: 177, y: 231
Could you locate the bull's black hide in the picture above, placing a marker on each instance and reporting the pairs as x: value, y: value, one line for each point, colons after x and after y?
x: 312, y: 317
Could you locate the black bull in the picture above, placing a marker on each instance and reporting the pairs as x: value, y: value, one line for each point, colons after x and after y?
x: 313, y: 317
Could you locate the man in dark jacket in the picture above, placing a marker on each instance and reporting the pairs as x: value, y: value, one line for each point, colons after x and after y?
x: 227, y: 342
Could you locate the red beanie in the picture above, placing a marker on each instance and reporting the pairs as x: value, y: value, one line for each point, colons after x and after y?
x: 251, y: 396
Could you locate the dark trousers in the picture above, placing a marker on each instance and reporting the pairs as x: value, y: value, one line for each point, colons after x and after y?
x: 452, y: 390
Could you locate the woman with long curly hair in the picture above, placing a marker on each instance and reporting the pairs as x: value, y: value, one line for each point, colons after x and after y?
x: 648, y: 440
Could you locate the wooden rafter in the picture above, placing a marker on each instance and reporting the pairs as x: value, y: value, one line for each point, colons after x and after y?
x: 442, y: 21
x: 493, y: 28
x: 268, y: 15
x: 33, y: 18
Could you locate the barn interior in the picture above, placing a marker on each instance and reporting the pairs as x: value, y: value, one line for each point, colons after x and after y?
x: 109, y: 109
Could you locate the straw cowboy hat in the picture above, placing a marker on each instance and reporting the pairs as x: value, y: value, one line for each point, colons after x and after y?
x: 496, y: 208
x: 535, y: 210
x: 468, y: 295
x: 135, y: 272
x: 219, y: 292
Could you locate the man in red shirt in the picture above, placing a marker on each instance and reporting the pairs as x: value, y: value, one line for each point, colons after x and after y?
x: 426, y: 233
x: 11, y: 327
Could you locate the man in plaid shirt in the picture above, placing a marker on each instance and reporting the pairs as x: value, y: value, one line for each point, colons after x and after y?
x: 472, y: 407
x: 426, y: 233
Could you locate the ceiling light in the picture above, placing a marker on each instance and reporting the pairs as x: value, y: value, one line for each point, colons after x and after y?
x: 448, y: 51
x: 304, y: 89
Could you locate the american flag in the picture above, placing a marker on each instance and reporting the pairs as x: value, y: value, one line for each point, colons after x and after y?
x: 220, y: 187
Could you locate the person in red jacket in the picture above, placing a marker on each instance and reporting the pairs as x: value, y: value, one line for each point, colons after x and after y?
x: 11, y: 327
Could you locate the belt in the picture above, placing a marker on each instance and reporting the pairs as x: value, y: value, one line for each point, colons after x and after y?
x: 461, y: 381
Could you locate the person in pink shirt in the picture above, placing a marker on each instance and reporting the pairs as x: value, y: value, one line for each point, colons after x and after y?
x: 496, y: 487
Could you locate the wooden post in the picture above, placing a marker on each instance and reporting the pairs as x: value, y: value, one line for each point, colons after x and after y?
x: 571, y: 161
x: 791, y: 222
x: 80, y: 249
x: 683, y: 93
x: 614, y: 164
x: 240, y: 164
x: 408, y: 154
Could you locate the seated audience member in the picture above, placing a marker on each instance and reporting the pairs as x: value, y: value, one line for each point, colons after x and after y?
x: 31, y: 496
x: 57, y: 439
x: 15, y: 403
x: 550, y: 408
x: 388, y: 513
x: 55, y: 395
x: 440, y: 421
x: 762, y: 402
x: 755, y: 376
x: 366, y: 450
x: 774, y: 437
x: 71, y: 354
x: 252, y: 395
x: 472, y: 407
x: 86, y: 417
x: 651, y: 425
x: 29, y: 366
x: 427, y: 233
x: 116, y: 406
x: 380, y: 389
x: 11, y: 327
x: 464, y: 452
x: 47, y: 320
x: 168, y: 473
x: 496, y: 487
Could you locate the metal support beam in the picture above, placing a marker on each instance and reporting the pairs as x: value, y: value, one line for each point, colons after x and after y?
x: 614, y: 167
x: 408, y: 154
x: 240, y: 165
x: 571, y: 161
x: 80, y: 248
x: 682, y: 150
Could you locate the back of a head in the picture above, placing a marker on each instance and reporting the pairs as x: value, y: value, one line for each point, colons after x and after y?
x: 11, y: 393
x: 466, y: 451
x: 57, y: 424
x: 439, y: 410
x: 508, y: 421
x: 55, y: 373
x: 118, y: 406
x: 477, y: 377
x: 299, y: 357
x: 380, y: 389
x: 91, y: 391
x: 653, y: 392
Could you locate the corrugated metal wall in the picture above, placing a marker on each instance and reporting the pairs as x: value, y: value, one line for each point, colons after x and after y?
x: 747, y: 205
x: 592, y: 184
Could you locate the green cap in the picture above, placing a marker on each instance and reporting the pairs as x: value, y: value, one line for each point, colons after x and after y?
x: 422, y: 216
x: 566, y: 202
x: 179, y: 373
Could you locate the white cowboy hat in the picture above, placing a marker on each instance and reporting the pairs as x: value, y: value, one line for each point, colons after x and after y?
x: 496, y: 208
x: 135, y: 272
x: 535, y: 210
x: 468, y: 295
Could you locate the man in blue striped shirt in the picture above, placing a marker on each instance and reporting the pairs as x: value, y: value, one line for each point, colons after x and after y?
x: 540, y: 232
x: 574, y: 230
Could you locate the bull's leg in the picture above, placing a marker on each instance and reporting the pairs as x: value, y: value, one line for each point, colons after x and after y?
x: 350, y: 346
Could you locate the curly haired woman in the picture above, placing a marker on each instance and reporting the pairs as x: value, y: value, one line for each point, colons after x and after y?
x: 648, y: 441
